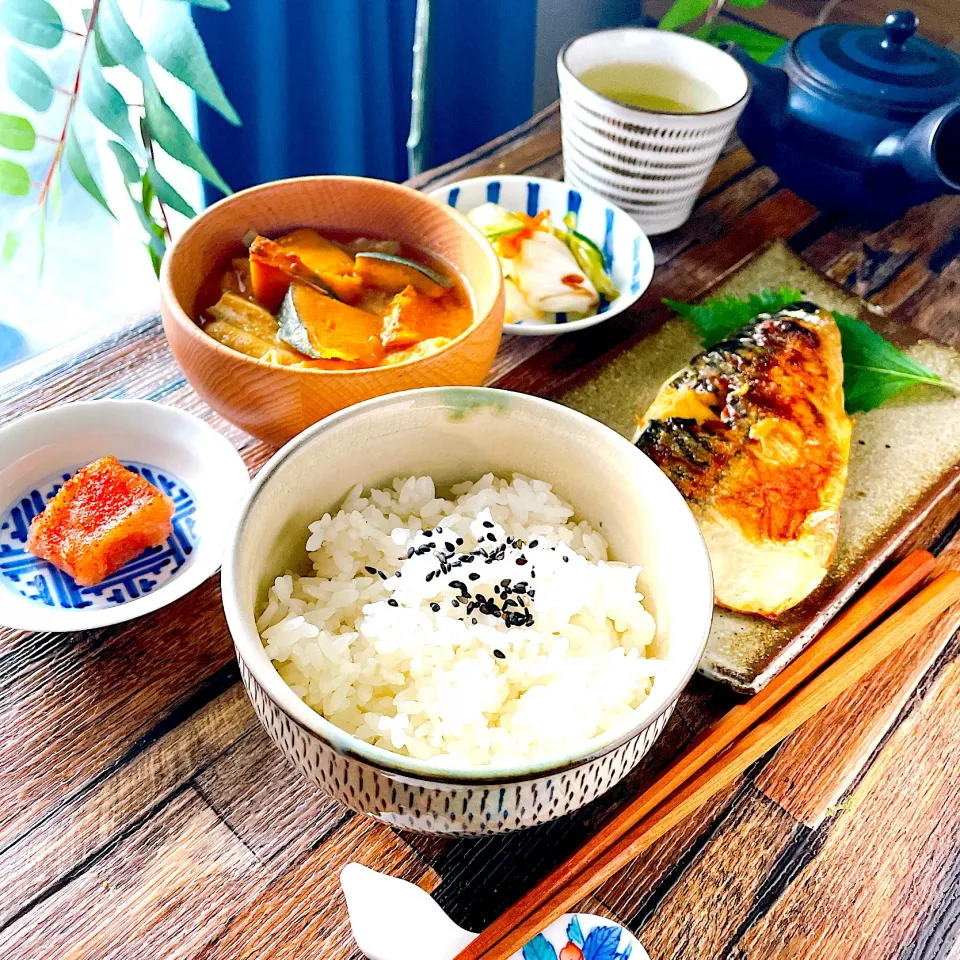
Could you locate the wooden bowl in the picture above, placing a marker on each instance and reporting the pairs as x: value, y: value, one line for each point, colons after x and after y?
x: 276, y: 403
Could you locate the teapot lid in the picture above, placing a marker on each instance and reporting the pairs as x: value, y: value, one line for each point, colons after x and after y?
x: 884, y: 70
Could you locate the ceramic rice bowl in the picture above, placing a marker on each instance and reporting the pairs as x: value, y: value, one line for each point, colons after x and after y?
x: 452, y: 435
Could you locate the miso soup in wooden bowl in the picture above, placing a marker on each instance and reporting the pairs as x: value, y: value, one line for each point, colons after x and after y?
x: 294, y: 299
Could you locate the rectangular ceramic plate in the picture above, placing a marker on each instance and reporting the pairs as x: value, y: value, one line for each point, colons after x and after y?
x: 904, y: 481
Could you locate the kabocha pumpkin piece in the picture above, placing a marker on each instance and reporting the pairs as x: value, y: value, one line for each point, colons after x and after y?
x: 272, y: 267
x: 331, y: 263
x: 100, y: 519
x: 236, y: 280
x: 326, y: 329
x: 393, y: 274
x: 413, y: 317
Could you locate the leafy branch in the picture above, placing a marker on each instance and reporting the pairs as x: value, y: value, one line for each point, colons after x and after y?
x: 171, y: 42
x: 759, y: 44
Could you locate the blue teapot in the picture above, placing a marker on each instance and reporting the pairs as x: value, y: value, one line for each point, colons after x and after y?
x: 858, y: 118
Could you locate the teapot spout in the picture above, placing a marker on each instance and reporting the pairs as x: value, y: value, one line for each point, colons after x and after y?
x: 930, y: 150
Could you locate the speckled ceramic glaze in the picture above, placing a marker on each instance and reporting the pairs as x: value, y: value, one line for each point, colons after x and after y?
x: 452, y: 435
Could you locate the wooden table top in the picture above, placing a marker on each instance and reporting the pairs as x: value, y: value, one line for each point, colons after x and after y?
x: 145, y: 814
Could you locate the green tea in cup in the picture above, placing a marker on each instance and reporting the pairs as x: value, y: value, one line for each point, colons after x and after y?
x: 651, y: 86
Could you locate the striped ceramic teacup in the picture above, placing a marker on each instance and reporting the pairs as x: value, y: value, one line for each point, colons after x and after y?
x: 651, y: 163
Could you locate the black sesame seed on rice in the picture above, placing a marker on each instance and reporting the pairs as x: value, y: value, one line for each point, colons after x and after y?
x: 488, y: 524
x: 381, y: 575
x: 435, y: 607
x: 474, y: 576
x: 392, y: 603
x: 370, y: 569
x: 533, y: 543
x: 499, y: 654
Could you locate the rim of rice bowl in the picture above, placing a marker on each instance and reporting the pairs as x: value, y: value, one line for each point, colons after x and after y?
x: 249, y: 645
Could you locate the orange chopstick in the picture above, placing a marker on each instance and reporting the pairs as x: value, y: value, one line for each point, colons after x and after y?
x: 512, y: 926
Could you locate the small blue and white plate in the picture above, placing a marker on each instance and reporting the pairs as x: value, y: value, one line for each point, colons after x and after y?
x: 199, y: 469
x: 625, y: 246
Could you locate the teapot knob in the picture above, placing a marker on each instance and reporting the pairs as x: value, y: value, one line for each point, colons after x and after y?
x: 900, y: 26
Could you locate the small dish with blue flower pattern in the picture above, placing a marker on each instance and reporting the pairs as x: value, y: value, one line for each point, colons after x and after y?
x: 570, y: 258
x: 185, y: 459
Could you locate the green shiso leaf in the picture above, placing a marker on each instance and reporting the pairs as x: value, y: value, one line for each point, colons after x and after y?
x: 874, y: 370
x: 715, y: 319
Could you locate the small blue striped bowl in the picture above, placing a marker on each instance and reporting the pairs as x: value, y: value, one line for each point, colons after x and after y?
x: 626, y: 247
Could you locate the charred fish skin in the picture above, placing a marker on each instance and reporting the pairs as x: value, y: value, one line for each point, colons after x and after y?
x: 754, y: 435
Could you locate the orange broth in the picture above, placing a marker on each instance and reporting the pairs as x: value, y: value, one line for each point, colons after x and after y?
x: 308, y: 300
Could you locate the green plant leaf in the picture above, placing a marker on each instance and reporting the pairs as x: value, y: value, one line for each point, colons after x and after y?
x: 105, y: 57
x: 126, y: 161
x: 10, y: 245
x: 759, y: 44
x: 174, y: 137
x: 119, y: 39
x: 874, y: 370
x: 752, y: 4
x: 104, y: 101
x: 683, y: 11
x: 14, y: 179
x: 16, y: 133
x: 172, y: 40
x: 154, y: 259
x: 32, y: 21
x: 28, y: 81
x: 715, y: 319
x: 166, y: 193
x: 77, y: 163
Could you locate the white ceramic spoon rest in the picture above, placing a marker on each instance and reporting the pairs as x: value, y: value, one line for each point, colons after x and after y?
x: 396, y: 920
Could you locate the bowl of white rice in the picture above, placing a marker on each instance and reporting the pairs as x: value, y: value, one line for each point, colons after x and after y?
x: 462, y: 610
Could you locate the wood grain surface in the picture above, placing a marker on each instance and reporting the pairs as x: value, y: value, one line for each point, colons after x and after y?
x: 144, y: 814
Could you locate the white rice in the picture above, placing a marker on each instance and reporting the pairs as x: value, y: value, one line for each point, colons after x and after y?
x: 405, y: 663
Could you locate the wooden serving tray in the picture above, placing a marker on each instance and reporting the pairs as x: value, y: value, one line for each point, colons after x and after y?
x: 904, y: 481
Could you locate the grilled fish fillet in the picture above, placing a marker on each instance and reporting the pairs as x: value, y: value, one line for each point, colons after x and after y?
x: 754, y: 435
